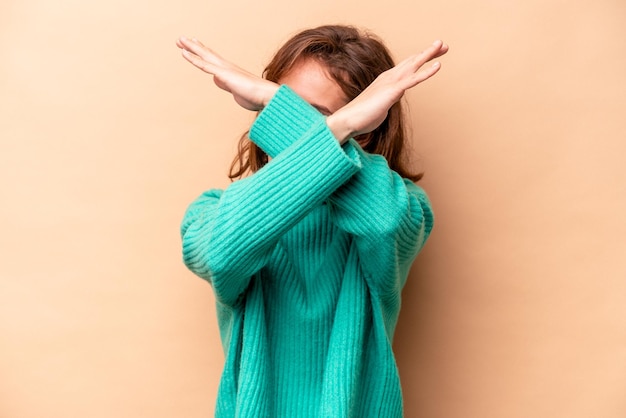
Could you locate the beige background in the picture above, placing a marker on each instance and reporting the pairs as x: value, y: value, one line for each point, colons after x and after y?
x: 517, y: 305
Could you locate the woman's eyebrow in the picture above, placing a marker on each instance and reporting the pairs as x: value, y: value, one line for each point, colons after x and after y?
x: 324, y: 110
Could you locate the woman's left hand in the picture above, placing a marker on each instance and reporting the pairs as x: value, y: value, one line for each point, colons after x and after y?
x: 370, y: 108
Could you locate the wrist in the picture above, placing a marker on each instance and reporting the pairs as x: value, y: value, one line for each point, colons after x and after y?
x: 270, y: 91
x: 338, y: 127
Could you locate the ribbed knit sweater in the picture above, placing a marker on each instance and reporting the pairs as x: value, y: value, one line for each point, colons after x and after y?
x: 307, y: 258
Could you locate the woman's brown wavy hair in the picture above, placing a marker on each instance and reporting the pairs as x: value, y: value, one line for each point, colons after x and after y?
x: 353, y: 59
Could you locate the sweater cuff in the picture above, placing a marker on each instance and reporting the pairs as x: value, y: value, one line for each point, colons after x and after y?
x: 285, y: 119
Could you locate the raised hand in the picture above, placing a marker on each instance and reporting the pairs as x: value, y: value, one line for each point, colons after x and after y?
x: 249, y: 91
x: 369, y: 109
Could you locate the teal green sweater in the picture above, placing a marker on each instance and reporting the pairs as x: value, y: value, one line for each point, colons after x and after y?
x: 307, y: 258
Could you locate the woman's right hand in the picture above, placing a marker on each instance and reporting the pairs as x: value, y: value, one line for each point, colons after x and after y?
x: 249, y: 91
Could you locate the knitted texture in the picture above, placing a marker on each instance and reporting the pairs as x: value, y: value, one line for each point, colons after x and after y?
x: 307, y: 259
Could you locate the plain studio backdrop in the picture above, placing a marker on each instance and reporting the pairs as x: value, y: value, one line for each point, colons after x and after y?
x: 516, y: 307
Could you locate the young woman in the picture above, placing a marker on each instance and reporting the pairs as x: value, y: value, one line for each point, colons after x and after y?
x: 308, y: 255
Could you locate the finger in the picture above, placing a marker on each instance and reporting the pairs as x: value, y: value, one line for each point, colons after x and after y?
x: 184, y: 42
x: 420, y: 76
x: 199, y: 62
x: 426, y: 73
x: 442, y: 51
x: 437, y: 49
x: 198, y: 42
x: 196, y: 47
x: 190, y: 44
x: 414, y: 62
x: 433, y: 51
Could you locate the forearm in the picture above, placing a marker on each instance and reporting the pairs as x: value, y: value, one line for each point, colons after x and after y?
x: 389, y: 218
x: 228, y: 240
x: 286, y: 118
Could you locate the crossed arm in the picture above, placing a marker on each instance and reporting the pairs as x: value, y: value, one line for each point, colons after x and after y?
x: 404, y: 213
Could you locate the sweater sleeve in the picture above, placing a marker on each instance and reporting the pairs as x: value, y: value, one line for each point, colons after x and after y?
x: 389, y: 217
x: 229, y: 235
x: 285, y: 119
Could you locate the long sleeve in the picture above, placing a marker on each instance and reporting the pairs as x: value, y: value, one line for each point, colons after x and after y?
x: 228, y: 236
x: 388, y: 216
x: 286, y: 118
x: 307, y: 258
